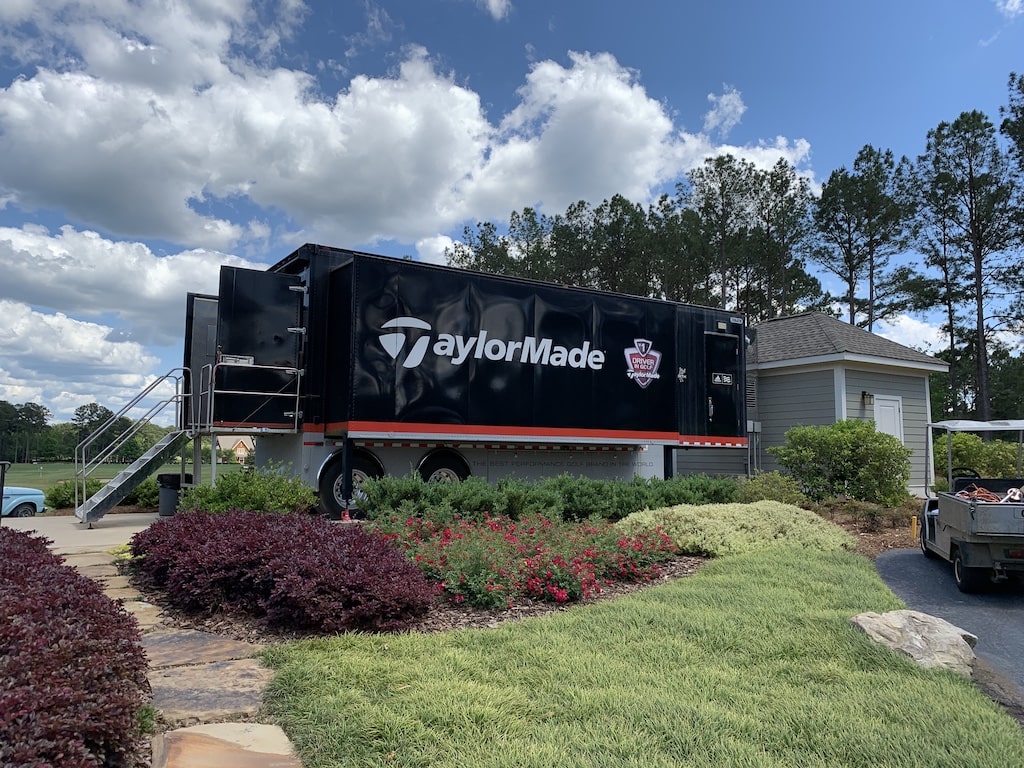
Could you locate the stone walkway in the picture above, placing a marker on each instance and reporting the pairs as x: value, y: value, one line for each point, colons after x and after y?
x: 208, y: 689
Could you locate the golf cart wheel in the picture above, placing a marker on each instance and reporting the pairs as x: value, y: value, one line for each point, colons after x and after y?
x: 921, y: 540
x: 967, y: 579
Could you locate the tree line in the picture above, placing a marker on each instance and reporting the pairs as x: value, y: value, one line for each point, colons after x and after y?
x: 743, y: 238
x: 26, y: 436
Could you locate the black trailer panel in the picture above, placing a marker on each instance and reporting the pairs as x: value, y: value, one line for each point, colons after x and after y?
x: 261, y: 326
x: 392, y: 348
x: 482, y: 354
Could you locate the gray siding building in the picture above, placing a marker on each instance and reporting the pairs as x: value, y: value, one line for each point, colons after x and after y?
x: 813, y: 369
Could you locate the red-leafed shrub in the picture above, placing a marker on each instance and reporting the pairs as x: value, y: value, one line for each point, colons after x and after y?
x: 72, y: 673
x: 291, y: 570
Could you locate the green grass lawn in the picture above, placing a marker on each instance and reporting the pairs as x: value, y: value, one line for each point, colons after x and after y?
x: 45, y: 476
x: 751, y: 662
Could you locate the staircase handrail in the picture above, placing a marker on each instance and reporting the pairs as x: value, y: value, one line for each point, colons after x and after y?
x: 84, y: 466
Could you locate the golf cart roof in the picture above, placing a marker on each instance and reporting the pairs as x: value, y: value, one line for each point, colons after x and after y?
x: 966, y: 425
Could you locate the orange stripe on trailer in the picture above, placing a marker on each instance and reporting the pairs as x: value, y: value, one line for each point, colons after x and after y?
x: 397, y: 428
x: 712, y: 441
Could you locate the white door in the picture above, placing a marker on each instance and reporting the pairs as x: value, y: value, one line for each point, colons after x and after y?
x: 889, y: 415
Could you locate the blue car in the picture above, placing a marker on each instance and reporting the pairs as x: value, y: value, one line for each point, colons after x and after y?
x: 22, y: 502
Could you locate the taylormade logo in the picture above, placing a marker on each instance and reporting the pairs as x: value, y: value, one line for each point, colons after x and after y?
x: 482, y: 347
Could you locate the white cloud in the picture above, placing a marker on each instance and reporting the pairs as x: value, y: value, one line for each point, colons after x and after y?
x: 499, y: 9
x: 586, y: 131
x: 912, y: 332
x: 386, y: 158
x: 431, y: 249
x: 85, y: 319
x: 89, y: 276
x: 726, y: 111
x: 53, y: 359
x: 1010, y: 8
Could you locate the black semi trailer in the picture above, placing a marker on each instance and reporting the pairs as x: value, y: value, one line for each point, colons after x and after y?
x: 348, y: 365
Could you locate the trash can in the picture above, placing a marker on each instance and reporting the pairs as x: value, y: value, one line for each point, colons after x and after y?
x: 170, y: 490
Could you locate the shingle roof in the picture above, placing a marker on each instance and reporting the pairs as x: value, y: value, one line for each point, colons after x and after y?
x: 811, y: 335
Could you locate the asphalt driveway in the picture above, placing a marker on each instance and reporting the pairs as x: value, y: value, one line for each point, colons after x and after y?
x: 995, y: 616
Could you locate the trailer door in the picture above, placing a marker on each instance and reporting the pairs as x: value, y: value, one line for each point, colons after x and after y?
x: 259, y: 335
x: 723, y: 380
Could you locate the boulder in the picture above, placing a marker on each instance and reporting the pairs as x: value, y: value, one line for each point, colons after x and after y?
x: 930, y: 641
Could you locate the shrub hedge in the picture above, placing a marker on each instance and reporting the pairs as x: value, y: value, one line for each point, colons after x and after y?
x: 268, y: 489
x: 290, y: 570
x: 72, y: 673
x: 493, y: 563
x: 563, y: 497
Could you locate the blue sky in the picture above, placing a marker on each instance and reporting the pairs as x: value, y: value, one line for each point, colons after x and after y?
x: 144, y: 144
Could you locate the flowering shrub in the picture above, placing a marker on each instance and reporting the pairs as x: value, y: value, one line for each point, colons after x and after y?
x: 493, y: 562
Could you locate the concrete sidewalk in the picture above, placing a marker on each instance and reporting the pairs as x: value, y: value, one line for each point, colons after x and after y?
x: 69, y: 535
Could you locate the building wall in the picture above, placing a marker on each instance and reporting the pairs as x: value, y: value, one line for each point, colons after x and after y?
x: 822, y: 397
x: 785, y: 400
x: 711, y: 461
x: 913, y: 393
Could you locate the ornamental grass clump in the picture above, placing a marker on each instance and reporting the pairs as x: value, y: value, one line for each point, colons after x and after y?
x: 289, y: 570
x: 497, y: 561
x: 73, y: 686
x: 713, y: 530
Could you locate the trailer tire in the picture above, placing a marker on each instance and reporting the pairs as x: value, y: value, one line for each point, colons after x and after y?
x: 443, y: 467
x: 332, y: 482
x: 968, y: 580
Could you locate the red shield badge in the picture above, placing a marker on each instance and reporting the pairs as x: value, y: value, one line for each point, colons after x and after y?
x: 642, y: 362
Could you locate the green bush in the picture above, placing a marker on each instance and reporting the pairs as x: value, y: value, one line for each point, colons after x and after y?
x: 563, y: 497
x: 62, y: 495
x: 714, y: 530
x: 771, y: 486
x: 690, y: 489
x: 270, y: 489
x: 147, y: 494
x: 995, y: 458
x: 848, y: 458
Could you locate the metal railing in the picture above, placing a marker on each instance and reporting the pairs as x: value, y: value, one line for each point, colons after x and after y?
x: 85, y: 464
x: 191, y: 417
x: 290, y: 390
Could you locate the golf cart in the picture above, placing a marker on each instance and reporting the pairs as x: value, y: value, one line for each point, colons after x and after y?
x: 977, y: 524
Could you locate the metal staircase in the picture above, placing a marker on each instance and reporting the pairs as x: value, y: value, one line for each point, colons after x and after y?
x: 193, y: 415
x: 89, y: 458
x: 129, y: 478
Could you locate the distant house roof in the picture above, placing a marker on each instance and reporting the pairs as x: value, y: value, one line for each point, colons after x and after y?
x: 229, y: 442
x: 817, y: 338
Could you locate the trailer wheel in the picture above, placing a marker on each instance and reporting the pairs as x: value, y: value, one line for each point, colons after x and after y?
x: 968, y: 580
x: 332, y: 482
x: 444, y: 467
